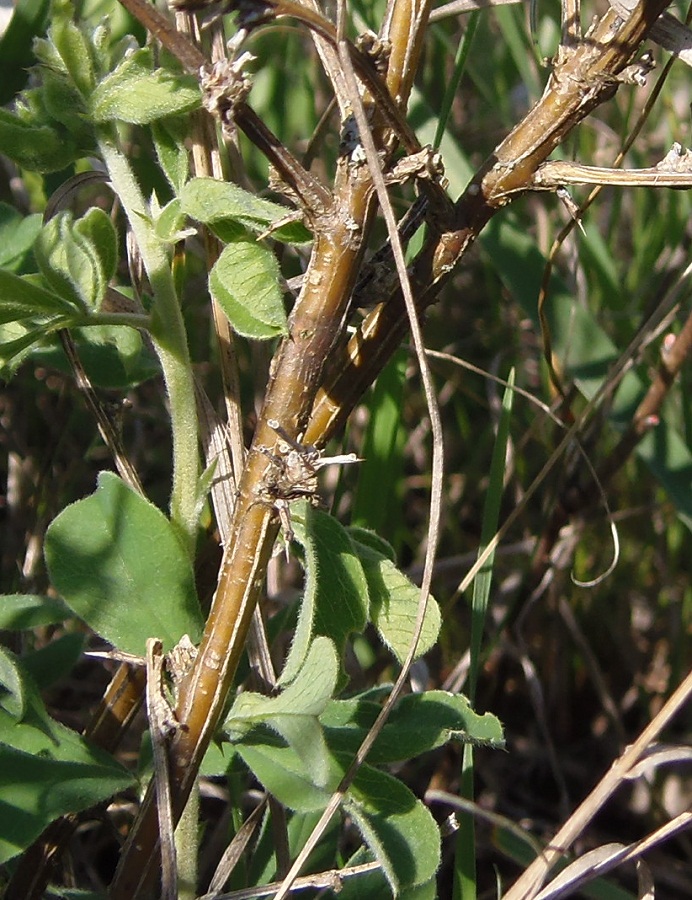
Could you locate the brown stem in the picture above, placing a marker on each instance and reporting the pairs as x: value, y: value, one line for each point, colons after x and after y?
x: 582, y: 79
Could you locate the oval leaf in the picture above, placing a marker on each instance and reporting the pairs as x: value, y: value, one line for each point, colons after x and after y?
x: 20, y: 299
x: 133, y: 93
x: 245, y: 283
x: 284, y: 774
x: 70, y: 262
x: 397, y: 828
x: 116, y: 560
x: 47, y: 770
x: 394, y: 603
x: 21, y: 611
x: 335, y: 601
x: 209, y: 200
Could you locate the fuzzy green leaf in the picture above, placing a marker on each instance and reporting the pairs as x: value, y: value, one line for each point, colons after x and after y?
x: 282, y: 772
x: 394, y: 603
x: 169, y: 141
x: 245, y: 283
x: 293, y: 713
x: 12, y: 689
x: 418, y: 723
x: 36, y: 146
x: 215, y: 203
x: 116, y: 560
x: 21, y: 298
x: 16, y: 341
x: 98, y: 232
x: 397, y: 828
x: 75, y: 52
x: 335, y: 601
x: 134, y: 93
x: 65, y: 106
x: 47, y: 771
x: 78, y: 259
x: 17, y: 235
x: 372, y: 540
x: 169, y: 223
x: 21, y: 611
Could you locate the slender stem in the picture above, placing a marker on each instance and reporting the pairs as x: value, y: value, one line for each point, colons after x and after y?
x: 169, y: 337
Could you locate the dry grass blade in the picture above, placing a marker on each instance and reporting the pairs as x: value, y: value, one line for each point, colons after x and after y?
x: 236, y: 848
x: 528, y: 885
x: 459, y: 7
x: 332, y: 881
x: 602, y: 860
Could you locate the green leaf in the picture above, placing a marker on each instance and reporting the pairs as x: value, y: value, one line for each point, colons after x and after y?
x: 372, y: 540
x: 210, y: 201
x: 169, y: 224
x: 169, y: 140
x: 307, y: 695
x: 47, y: 771
x: 113, y: 356
x: 35, y: 145
x: 21, y: 298
x: 335, y: 601
x: 64, y: 106
x: 282, y: 772
x: 134, y: 93
x: 12, y: 686
x: 396, y: 826
x: 56, y: 660
x: 78, y: 259
x: 394, y: 603
x: 98, y: 232
x: 15, y: 344
x: 21, y: 611
x: 116, y: 560
x: 75, y: 52
x: 17, y: 235
x: 418, y: 723
x: 245, y: 283
x: 293, y: 713
x: 375, y: 886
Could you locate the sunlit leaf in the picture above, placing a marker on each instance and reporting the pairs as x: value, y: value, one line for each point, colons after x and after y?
x: 245, y: 283
x: 116, y: 560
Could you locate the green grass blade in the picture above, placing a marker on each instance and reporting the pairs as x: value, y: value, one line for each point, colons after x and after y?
x: 459, y: 67
x: 465, y: 857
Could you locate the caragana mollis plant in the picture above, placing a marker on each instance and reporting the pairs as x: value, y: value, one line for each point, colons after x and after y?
x: 100, y: 288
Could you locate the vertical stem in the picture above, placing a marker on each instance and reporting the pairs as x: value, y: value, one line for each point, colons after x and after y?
x: 169, y: 337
